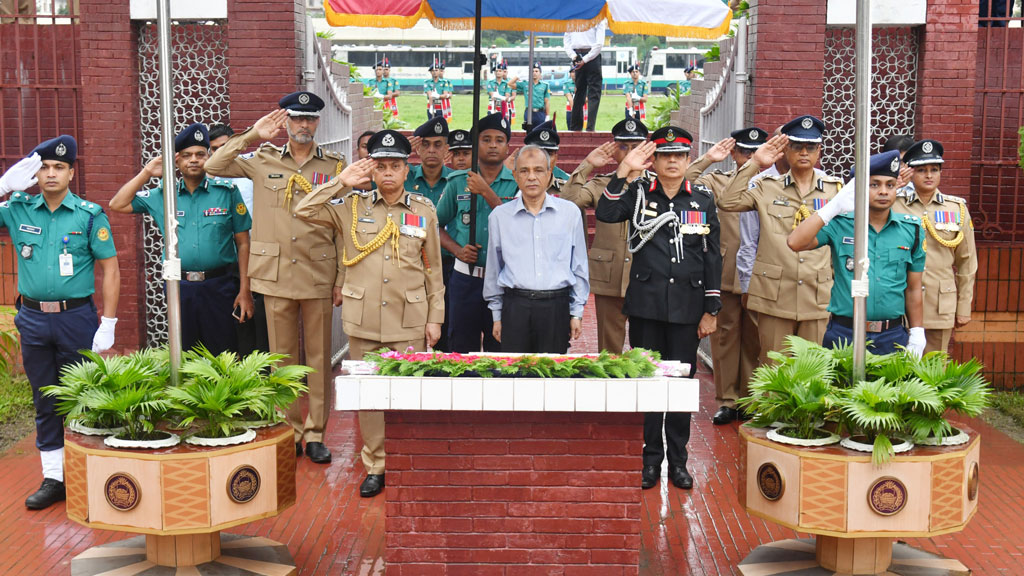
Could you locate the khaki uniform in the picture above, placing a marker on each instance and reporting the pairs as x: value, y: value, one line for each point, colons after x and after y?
x: 293, y: 263
x: 608, y: 258
x: 948, y: 281
x: 788, y: 290
x: 734, y: 345
x: 391, y: 289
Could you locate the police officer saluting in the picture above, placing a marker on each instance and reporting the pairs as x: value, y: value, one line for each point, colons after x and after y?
x: 952, y: 260
x: 58, y: 237
x: 673, y: 296
x: 213, y: 238
x: 897, y: 254
x: 393, y: 292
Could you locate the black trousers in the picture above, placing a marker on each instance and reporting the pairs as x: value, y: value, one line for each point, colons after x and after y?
x: 447, y: 267
x: 469, y: 322
x: 206, y: 314
x: 252, y: 334
x: 673, y: 342
x: 535, y: 326
x: 589, y: 82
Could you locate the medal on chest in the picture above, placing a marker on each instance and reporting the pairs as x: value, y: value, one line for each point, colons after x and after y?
x: 694, y: 222
x: 947, y: 221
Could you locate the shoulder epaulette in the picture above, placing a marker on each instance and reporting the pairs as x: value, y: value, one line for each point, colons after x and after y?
x: 956, y: 199
x: 142, y: 193
x: 776, y: 177
x: 423, y: 199
x: 221, y: 182
x: 337, y: 201
x: 90, y: 207
x: 333, y: 154
x: 271, y: 146
x: 3, y: 204
x: 704, y: 189
x: 911, y: 218
x: 20, y: 197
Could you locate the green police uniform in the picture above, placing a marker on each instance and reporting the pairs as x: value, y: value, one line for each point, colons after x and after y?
x: 77, y: 228
x: 208, y: 220
x: 639, y: 87
x: 893, y: 252
x: 417, y: 184
x: 377, y: 87
x: 453, y: 208
x: 539, y: 94
x: 560, y: 175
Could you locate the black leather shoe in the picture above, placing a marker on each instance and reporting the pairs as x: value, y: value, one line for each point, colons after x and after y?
x: 50, y: 492
x: 743, y: 415
x: 724, y: 416
x: 318, y: 453
x: 298, y: 448
x: 371, y: 486
x: 680, y: 477
x: 649, y: 477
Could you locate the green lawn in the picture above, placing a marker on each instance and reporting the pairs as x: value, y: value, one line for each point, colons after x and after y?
x: 413, y: 110
x: 1010, y: 403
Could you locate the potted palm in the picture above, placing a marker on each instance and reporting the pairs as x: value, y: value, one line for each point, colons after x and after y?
x: 219, y: 392
x: 123, y: 394
x: 798, y: 391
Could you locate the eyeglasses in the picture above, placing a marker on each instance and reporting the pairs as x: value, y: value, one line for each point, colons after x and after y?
x: 803, y: 146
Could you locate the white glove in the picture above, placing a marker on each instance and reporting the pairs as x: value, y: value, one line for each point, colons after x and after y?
x: 21, y: 176
x: 841, y: 204
x: 104, y: 337
x: 916, y: 342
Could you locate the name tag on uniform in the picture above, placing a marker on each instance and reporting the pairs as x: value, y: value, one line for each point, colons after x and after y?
x: 412, y: 231
x: 847, y: 240
x: 462, y: 197
x: 275, y: 176
x: 216, y: 211
x: 780, y: 202
x: 367, y: 220
x: 67, y: 267
x: 651, y: 213
x: 30, y: 229
x: 180, y: 213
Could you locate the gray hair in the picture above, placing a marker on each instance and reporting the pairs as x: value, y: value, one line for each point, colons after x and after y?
x: 530, y: 148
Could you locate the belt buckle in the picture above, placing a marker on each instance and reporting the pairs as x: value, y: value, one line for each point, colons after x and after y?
x: 49, y: 307
x: 874, y: 326
x: 195, y: 276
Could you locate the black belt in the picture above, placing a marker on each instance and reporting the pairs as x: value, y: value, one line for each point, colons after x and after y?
x: 872, y: 325
x: 54, y: 306
x: 201, y: 275
x: 538, y: 294
x: 582, y: 51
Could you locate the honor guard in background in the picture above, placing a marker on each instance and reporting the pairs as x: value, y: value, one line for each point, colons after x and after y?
x: 469, y: 323
x: 608, y: 259
x: 545, y: 136
x: 293, y: 263
x: 789, y: 291
x: 388, y: 243
x: 429, y: 179
x: 378, y: 85
x: 569, y: 91
x: 952, y: 260
x: 636, y: 92
x: 393, y: 88
x: 432, y: 89
x: 213, y: 241
x: 446, y: 93
x: 673, y: 296
x: 896, y: 251
x: 58, y: 238
x: 734, y: 345
x: 460, y: 146
x: 540, y: 98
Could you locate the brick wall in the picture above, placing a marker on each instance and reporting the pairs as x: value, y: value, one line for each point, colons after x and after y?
x: 482, y: 493
x: 109, y: 52
x: 364, y: 117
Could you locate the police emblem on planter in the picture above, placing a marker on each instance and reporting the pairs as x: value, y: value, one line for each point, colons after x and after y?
x: 243, y: 484
x: 770, y: 482
x: 122, y: 491
x: 972, y: 481
x: 303, y: 98
x: 887, y: 496
x: 807, y: 123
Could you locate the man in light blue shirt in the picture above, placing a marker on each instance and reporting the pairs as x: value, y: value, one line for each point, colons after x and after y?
x: 537, y: 281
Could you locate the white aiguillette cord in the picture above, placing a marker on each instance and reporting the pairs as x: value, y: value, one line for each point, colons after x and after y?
x: 647, y: 229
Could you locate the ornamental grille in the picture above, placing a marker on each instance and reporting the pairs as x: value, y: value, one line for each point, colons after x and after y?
x: 893, y: 92
x: 199, y: 54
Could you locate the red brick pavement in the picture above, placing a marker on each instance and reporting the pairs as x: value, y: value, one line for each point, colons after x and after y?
x: 702, y: 532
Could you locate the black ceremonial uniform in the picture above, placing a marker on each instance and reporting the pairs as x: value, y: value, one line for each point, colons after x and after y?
x: 675, y: 279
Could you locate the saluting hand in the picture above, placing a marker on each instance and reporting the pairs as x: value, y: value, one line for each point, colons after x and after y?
x: 414, y: 143
x: 21, y: 176
x: 721, y: 150
x: 155, y: 167
x: 906, y: 175
x: 357, y: 173
x: 602, y: 155
x: 638, y: 159
x: 270, y: 125
x: 770, y: 152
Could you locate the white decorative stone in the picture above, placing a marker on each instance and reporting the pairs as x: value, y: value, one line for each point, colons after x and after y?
x: 346, y: 393
x: 621, y: 395
x: 467, y: 394
x: 683, y: 395
x: 528, y: 394
x: 436, y: 394
x: 652, y: 395
x: 498, y: 394
x: 374, y: 393
x: 405, y: 394
x: 590, y: 395
x: 559, y: 395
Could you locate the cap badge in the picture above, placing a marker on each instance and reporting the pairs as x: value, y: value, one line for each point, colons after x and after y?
x: 61, y: 149
x: 807, y: 123
x: 460, y: 137
x: 753, y: 135
x: 670, y: 137
x: 437, y: 128
x: 303, y: 98
x: 927, y: 147
x: 545, y: 136
x: 630, y: 126
x: 504, y: 124
x: 895, y: 165
x: 388, y: 140
x: 198, y: 136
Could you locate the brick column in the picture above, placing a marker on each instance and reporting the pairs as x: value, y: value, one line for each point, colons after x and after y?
x: 525, y: 493
x: 110, y: 118
x: 945, y: 94
x: 788, y: 40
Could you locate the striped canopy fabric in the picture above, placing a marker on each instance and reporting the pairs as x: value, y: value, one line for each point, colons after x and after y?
x: 686, y: 18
